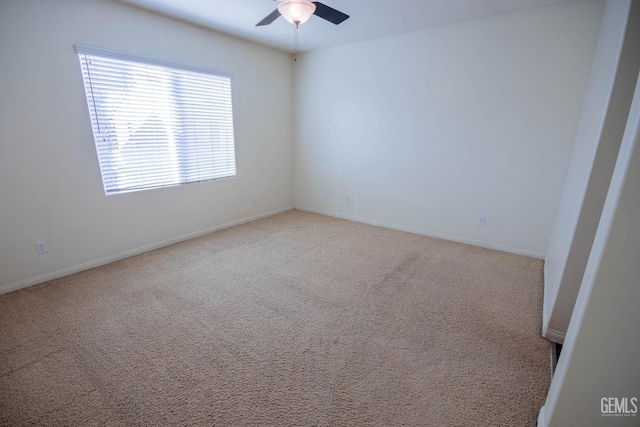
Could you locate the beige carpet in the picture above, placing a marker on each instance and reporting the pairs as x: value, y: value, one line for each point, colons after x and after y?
x: 293, y: 320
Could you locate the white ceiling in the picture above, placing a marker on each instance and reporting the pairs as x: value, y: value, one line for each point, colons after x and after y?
x: 369, y: 19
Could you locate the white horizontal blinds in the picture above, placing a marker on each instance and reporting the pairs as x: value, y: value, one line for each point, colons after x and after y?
x: 156, y: 125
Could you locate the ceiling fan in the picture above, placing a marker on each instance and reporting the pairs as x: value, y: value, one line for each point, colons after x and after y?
x: 299, y: 11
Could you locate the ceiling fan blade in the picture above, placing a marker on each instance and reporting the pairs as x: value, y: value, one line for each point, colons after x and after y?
x: 329, y: 13
x: 269, y: 18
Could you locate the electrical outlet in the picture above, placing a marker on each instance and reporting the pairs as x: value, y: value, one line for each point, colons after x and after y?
x: 255, y: 199
x: 41, y: 247
x: 481, y: 220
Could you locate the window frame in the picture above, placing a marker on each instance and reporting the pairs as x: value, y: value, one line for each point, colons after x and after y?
x: 82, y: 49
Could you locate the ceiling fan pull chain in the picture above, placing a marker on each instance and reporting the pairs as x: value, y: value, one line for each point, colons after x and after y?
x: 295, y: 39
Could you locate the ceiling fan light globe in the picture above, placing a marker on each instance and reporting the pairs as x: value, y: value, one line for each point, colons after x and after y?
x: 296, y: 11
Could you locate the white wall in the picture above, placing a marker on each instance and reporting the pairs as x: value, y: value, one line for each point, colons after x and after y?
x: 426, y: 131
x: 600, y: 355
x: 613, y: 76
x: 50, y: 186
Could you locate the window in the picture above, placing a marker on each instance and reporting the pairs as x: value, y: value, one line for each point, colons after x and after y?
x: 157, y: 124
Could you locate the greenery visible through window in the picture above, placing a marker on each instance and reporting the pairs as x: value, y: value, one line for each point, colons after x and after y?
x: 157, y: 125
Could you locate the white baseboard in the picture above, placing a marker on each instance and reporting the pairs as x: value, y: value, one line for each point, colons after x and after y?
x: 553, y: 335
x: 545, y: 299
x: 542, y: 417
x: 459, y: 239
x: 10, y: 287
